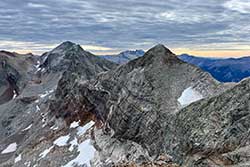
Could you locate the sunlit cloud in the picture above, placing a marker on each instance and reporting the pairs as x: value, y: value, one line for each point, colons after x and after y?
x: 94, y: 48
x: 36, y: 5
x: 242, y: 6
x: 215, y: 50
x: 39, y: 48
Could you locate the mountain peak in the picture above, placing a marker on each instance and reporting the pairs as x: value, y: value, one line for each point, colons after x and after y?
x: 160, y: 53
x: 67, y: 43
x: 66, y: 46
x: 160, y: 48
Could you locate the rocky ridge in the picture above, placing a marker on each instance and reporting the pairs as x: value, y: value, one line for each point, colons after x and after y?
x: 137, y: 108
x: 129, y: 101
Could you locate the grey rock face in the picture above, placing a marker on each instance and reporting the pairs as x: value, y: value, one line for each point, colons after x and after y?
x: 143, y: 95
x: 215, y: 131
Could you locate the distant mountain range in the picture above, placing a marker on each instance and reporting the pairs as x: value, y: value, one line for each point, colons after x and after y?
x: 222, y: 69
x: 125, y: 56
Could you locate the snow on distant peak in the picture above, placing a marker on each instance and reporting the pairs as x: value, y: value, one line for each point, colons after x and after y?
x: 189, y: 96
x: 11, y: 148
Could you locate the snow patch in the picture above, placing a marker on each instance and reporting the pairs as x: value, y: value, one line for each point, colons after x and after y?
x: 18, y: 158
x: 74, y: 124
x: 14, y: 94
x: 189, y: 96
x: 37, y: 108
x: 54, y: 127
x: 11, y: 148
x: 62, y: 141
x: 27, y: 128
x: 45, y: 152
x: 73, y: 143
x: 46, y: 93
x: 86, y: 153
x: 27, y: 164
x: 82, y: 130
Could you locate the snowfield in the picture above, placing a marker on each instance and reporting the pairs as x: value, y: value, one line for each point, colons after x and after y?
x: 189, y: 96
x: 86, y: 153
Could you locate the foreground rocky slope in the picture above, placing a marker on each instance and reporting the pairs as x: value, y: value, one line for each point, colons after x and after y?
x: 215, y: 131
x: 156, y: 110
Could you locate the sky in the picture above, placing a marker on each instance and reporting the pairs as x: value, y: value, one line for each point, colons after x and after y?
x: 216, y: 28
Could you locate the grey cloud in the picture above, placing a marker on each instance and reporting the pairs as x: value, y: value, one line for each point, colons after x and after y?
x: 125, y: 24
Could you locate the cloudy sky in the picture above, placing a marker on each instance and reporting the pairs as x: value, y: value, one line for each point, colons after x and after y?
x: 205, y: 28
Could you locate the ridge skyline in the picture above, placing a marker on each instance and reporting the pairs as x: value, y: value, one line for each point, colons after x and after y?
x: 39, y: 49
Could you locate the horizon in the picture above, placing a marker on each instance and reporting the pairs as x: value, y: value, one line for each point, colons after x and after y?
x: 178, y: 51
x: 211, y: 29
